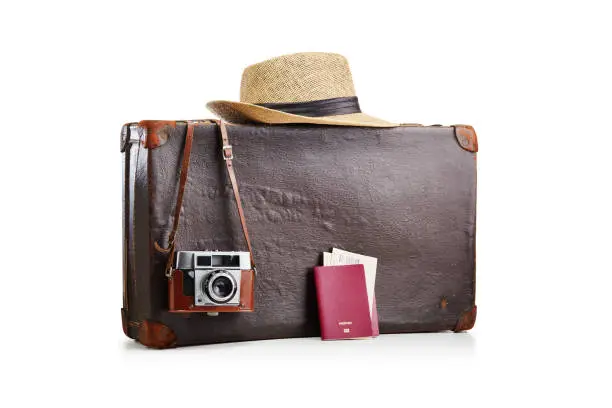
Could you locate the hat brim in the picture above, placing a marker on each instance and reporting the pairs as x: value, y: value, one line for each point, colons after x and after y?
x: 239, y: 112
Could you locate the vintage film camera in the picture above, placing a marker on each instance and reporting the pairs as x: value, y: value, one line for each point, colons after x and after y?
x: 211, y: 282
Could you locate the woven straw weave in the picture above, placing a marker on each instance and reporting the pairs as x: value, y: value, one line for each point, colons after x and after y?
x: 303, y: 77
x: 300, y: 77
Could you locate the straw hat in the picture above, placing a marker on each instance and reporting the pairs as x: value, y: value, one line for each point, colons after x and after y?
x: 310, y: 87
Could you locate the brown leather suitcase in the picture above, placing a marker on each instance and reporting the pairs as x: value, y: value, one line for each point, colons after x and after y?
x: 405, y: 195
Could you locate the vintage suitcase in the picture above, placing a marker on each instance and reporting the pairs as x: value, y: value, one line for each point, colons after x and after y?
x: 406, y: 195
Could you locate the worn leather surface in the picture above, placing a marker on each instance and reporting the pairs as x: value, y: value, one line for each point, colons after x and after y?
x: 405, y: 195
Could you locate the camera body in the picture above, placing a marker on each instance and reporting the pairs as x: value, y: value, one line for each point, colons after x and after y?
x: 211, y: 282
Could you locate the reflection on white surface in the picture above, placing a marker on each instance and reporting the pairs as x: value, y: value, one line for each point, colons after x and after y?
x: 412, y: 345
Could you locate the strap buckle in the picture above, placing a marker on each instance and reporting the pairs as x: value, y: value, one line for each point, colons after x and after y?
x: 226, y: 149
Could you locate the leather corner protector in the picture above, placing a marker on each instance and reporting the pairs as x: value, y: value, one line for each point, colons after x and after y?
x: 466, y: 320
x: 466, y: 137
x: 158, y: 132
x: 129, y: 327
x: 156, y: 335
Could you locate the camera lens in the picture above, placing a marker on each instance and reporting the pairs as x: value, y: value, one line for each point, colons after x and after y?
x: 220, y: 287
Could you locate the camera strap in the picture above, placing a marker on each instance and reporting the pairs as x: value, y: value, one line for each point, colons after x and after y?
x: 179, y: 199
x: 228, y: 156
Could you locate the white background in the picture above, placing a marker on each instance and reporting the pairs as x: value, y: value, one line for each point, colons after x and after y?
x: 533, y: 78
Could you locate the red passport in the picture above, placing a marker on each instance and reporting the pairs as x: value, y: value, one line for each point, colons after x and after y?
x: 344, y: 311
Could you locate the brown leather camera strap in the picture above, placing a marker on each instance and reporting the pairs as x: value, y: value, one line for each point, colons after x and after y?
x: 228, y: 156
x: 179, y: 198
x: 182, y: 182
x: 227, y: 153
